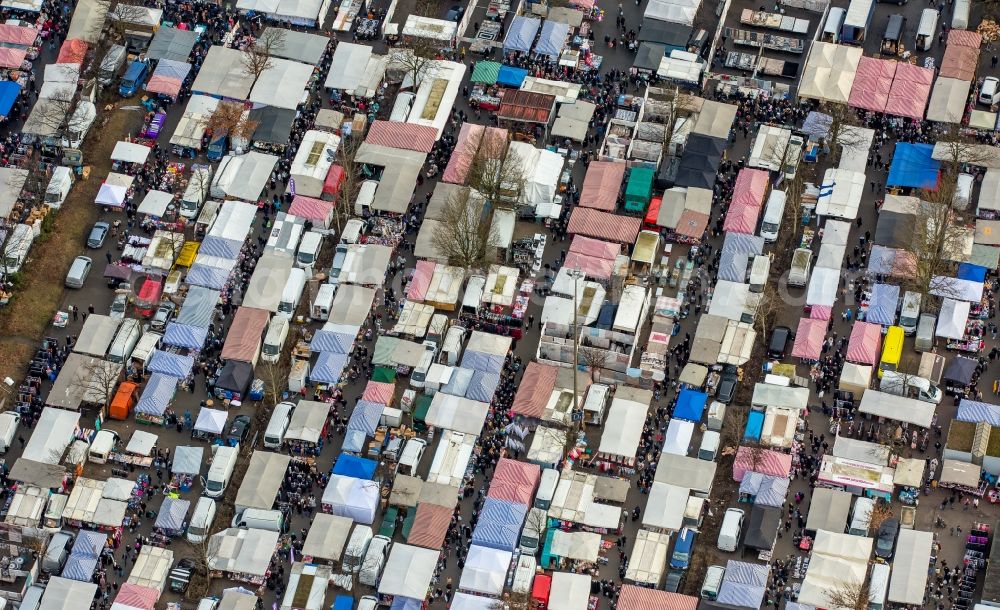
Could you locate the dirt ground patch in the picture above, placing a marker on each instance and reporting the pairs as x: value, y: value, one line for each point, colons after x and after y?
x: 35, y: 301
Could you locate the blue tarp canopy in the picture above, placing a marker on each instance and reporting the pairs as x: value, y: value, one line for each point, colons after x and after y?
x: 521, y: 34
x: 331, y: 341
x: 173, y: 513
x: 198, y: 307
x: 157, y: 394
x: 406, y: 603
x: 175, y: 365
x: 883, y: 304
x: 482, y: 386
x: 207, y: 276
x: 364, y: 420
x: 328, y: 368
x: 499, y: 525
x: 510, y: 76
x: 973, y: 273
x: 221, y: 247
x: 755, y: 425
x: 458, y: 383
x: 9, y: 90
x: 913, y: 167
x: 89, y: 543
x: 353, y: 466
x: 690, y: 405
x: 552, y: 39
x: 182, y: 335
x: 483, y: 361
x: 974, y: 411
x: 79, y: 567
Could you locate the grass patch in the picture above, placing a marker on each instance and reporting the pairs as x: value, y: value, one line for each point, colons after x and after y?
x: 961, y: 434
x: 14, y: 358
x: 993, y: 445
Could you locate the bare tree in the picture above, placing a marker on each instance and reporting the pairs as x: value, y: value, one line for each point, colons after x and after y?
x: 936, y: 240
x: 594, y: 358
x: 768, y: 306
x: 232, y: 120
x: 755, y: 453
x: 350, y: 184
x: 881, y: 512
x: 415, y: 61
x: 466, y: 235
x: 513, y: 600
x: 97, y: 380
x: 850, y: 595
x: 665, y: 106
x: 496, y: 172
x: 275, y: 377
x: 843, y: 132
x: 258, y: 58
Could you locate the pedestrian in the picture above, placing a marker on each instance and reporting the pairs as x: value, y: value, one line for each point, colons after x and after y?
x: 76, y: 312
x: 109, y: 257
x: 993, y: 62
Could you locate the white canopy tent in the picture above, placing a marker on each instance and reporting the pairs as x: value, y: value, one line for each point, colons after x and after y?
x: 665, y: 507
x: 829, y: 72
x: 840, y: 193
x: 130, y: 152
x: 953, y: 318
x: 457, y: 413
x: 569, y: 591
x: 837, y: 560
x: 408, y: 571
x: 823, y: 286
x: 155, y: 203
x: 245, y: 551
x: 141, y: 443
x: 948, y: 97
x: 579, y: 546
x: 898, y: 408
x: 909, y: 567
x: 353, y: 498
x: 327, y: 536
x: 485, y: 570
x: 282, y: 84
x: 623, y: 425
x: 649, y: 558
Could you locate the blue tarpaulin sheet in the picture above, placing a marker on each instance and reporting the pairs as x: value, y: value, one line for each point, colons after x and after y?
x: 174, y: 365
x: 406, y: 603
x: 353, y: 466
x: 329, y: 367
x: 459, y: 382
x: 182, y: 335
x: 364, y: 420
x: 552, y: 39
x: 913, y: 167
x: 483, y: 361
x: 157, y: 394
x: 510, y: 76
x: 499, y: 525
x: 9, y: 90
x: 973, y: 273
x: 974, y: 411
x: 755, y: 425
x: 198, y: 307
x: 690, y: 405
x: 521, y: 34
x: 482, y: 386
x: 883, y: 304
x: 89, y: 543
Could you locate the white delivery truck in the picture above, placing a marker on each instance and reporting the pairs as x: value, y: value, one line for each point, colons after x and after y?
x: 798, y: 274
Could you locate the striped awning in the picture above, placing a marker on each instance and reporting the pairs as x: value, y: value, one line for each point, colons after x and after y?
x: 157, y: 394
x: 430, y: 526
x: 379, y: 391
x: 404, y: 136
x: 603, y: 225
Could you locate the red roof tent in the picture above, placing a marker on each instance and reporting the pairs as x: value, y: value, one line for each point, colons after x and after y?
x: 652, y: 213
x: 526, y: 106
x: 864, y: 346
x: 809, y: 339
x: 317, y: 211
x: 514, y: 481
x: 535, y: 389
x: 602, y: 185
x: 430, y: 526
x: 73, y: 51
x: 872, y: 83
x: 24, y: 36
x: 541, y: 588
x: 404, y: 136
x: 420, y: 281
x: 961, y: 55
x: 331, y: 184
x: 632, y: 597
x: 748, y: 198
x: 771, y: 463
x: 149, y: 296
x: 596, y: 258
x: 604, y: 225
x: 911, y: 88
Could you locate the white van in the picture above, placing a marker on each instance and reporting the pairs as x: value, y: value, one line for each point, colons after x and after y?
x: 524, y: 574
x: 410, y: 458
x: 52, y: 520
x: 16, y: 248
x: 104, y: 444
x: 356, y: 548
x: 760, y: 271
x: 535, y: 526
x: 437, y: 328
x: 926, y: 29
x: 292, y: 292
x: 196, y: 191
x: 963, y: 191
x: 281, y: 416
x: 366, y: 196
x: 419, y: 375
x: 911, y: 386
x: 309, y: 249
x: 8, y: 429
x: 547, y: 484
x: 260, y: 519
x: 473, y: 294
x: 220, y: 473
x: 452, y: 349
x: 861, y: 517
x: 709, y: 445
x: 909, y: 314
x: 201, y: 520
x: 401, y: 109
x: 125, y: 341
x: 354, y: 228
x: 374, y: 561
x: 147, y: 344
x: 274, y: 339
x: 729, y: 533
x: 773, y: 213
x: 323, y: 301
x: 59, y: 186
x: 713, y: 582
x: 878, y: 586
x: 960, y: 14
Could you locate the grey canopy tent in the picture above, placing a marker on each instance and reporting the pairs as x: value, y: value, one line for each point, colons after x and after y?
x: 298, y: 46
x: 894, y: 230
x: 763, y: 527
x: 172, y: 43
x: 665, y: 32
x: 828, y: 510
x: 700, y: 161
x: 235, y: 377
x: 521, y: 34
x: 648, y: 56
x: 960, y: 371
x: 274, y: 125
x: 187, y: 460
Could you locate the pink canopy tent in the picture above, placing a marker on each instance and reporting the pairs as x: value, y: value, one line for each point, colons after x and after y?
x: 961, y: 56
x: 595, y: 258
x: 380, y: 392
x: 421, y: 281
x: 809, y: 339
x: 911, y: 88
x: 12, y: 58
x: 404, y: 136
x: 604, y: 225
x: 748, y: 197
x: 692, y: 224
x: 469, y: 139
x: 820, y: 312
x: 535, y: 389
x: 318, y: 211
x: 73, y: 51
x: 865, y: 343
x: 872, y: 84
x: 742, y: 218
x: 168, y: 77
x: 514, y: 481
x: 602, y: 184
x: 24, y: 36
x: 771, y: 463
x: 131, y: 595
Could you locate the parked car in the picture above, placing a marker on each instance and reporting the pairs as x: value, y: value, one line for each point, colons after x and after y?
x: 238, y: 430
x: 163, y: 314
x: 781, y: 336
x: 180, y: 575
x: 78, y: 272
x: 727, y: 384
x: 98, y: 233
x: 673, y: 582
x: 118, y: 307
x: 455, y: 13
x: 885, y: 541
x: 989, y: 93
